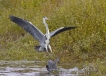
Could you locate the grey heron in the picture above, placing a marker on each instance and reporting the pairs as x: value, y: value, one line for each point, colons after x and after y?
x: 37, y: 34
x: 52, y: 65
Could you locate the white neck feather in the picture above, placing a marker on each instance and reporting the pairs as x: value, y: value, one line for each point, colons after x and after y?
x: 47, y: 29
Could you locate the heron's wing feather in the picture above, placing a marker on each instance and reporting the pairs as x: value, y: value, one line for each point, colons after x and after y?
x: 59, y: 30
x: 56, y: 60
x: 28, y: 27
x: 54, y: 66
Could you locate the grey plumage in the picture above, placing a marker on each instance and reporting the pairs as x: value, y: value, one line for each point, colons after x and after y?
x: 62, y: 29
x: 43, y: 39
x: 52, y: 65
x: 34, y: 31
x: 29, y: 27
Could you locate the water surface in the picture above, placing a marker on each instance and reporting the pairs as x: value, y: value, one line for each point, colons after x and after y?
x: 32, y: 68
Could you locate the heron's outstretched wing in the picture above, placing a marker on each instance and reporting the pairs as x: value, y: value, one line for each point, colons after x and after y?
x: 56, y: 60
x: 28, y: 27
x: 62, y: 29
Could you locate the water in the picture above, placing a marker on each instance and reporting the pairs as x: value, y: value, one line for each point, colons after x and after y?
x: 32, y: 68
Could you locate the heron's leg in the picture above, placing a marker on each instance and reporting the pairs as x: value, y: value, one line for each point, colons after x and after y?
x: 47, y: 51
x: 50, y: 50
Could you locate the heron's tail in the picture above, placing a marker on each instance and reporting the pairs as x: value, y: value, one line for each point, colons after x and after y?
x: 37, y: 47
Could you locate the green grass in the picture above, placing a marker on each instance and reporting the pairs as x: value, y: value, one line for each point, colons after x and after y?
x: 86, y: 42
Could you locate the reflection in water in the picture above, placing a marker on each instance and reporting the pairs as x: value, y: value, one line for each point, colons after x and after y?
x: 29, y: 68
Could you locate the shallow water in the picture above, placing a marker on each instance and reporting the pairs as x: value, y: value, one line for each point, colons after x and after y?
x: 32, y: 68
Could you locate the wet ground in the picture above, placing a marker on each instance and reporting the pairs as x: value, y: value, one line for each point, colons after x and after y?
x: 36, y: 68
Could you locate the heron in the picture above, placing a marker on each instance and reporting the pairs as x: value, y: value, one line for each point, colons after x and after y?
x: 44, y: 39
x: 52, y: 65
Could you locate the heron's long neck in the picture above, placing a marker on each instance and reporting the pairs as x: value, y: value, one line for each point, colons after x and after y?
x: 47, y: 29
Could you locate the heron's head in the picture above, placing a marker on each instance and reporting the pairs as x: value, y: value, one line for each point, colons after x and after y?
x: 45, y: 18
